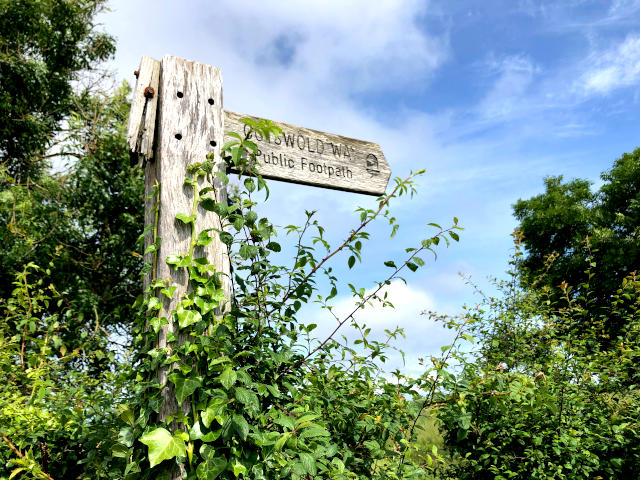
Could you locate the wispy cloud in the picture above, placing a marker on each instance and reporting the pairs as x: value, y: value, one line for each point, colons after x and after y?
x: 514, y: 75
x: 614, y: 68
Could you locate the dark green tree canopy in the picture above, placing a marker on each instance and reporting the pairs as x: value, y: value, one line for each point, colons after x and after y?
x: 44, y: 46
x: 560, y: 220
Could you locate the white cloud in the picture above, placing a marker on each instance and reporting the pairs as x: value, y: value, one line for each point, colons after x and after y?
x: 330, y: 41
x: 423, y: 336
x: 352, y: 46
x: 613, y: 68
x: 514, y: 75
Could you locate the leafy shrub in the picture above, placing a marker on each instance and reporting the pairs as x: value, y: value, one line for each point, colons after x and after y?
x: 540, y: 397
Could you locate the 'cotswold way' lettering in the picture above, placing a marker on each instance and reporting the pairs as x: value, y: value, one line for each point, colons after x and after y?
x: 306, y: 143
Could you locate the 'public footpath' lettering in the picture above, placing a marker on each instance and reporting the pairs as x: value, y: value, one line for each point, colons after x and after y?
x: 301, y: 155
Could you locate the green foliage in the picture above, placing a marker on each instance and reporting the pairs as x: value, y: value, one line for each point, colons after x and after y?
x: 82, y: 225
x: 539, y: 398
x: 55, y: 418
x: 558, y: 224
x: 44, y: 45
x: 258, y: 395
x: 86, y: 221
x: 164, y: 446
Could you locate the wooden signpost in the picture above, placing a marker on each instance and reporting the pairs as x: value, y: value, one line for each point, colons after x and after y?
x: 310, y: 157
x: 176, y: 119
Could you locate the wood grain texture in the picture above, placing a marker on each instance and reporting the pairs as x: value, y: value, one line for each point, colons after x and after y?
x: 317, y: 158
x: 142, y: 116
x: 189, y: 119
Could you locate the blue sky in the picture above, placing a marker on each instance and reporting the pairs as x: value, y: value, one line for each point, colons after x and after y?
x: 489, y: 97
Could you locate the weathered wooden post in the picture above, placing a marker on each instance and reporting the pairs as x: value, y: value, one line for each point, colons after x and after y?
x: 189, y: 125
x: 176, y: 119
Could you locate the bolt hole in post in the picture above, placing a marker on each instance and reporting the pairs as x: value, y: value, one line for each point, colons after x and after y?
x: 180, y: 94
x: 178, y: 136
x: 213, y: 143
x: 211, y: 102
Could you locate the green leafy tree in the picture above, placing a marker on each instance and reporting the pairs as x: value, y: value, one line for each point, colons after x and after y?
x: 557, y: 225
x: 56, y: 419
x: 538, y: 397
x: 45, y: 45
x: 82, y: 224
x: 86, y: 220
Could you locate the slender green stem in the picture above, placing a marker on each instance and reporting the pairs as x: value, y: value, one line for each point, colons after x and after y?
x: 196, y: 200
x: 156, y: 208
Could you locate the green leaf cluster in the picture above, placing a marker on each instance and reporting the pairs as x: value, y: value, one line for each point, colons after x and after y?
x: 539, y: 396
x: 250, y: 392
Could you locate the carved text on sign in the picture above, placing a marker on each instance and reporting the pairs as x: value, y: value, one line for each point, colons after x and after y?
x: 311, y: 157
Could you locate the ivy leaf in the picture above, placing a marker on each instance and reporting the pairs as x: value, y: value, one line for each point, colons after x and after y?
x: 154, y: 304
x: 239, y: 469
x: 205, y: 306
x: 184, y: 218
x: 174, y: 259
x: 168, y: 291
x: 126, y: 414
x: 157, y: 323
x: 125, y: 437
x: 196, y: 433
x: 187, y: 317
x: 184, y: 261
x: 209, y: 415
x: 184, y: 386
x: 212, y: 466
x: 163, y: 446
x: 132, y: 467
x: 204, y: 238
